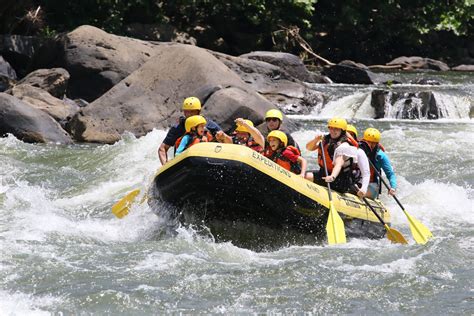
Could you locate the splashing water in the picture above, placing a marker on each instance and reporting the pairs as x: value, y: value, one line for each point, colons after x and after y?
x: 64, y: 252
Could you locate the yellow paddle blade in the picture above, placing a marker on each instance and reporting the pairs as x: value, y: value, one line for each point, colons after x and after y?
x: 335, y: 227
x: 395, y: 236
x: 121, y: 208
x: 420, y: 232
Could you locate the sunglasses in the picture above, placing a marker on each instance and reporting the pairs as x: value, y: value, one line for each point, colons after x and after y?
x: 271, y: 119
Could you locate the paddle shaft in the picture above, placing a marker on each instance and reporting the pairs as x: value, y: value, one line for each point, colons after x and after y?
x: 325, y: 168
x: 335, y: 226
x: 373, y: 211
x: 385, y: 183
x: 371, y: 207
x: 420, y: 232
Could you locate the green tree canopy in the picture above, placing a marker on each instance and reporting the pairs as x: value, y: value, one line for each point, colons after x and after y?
x: 371, y: 31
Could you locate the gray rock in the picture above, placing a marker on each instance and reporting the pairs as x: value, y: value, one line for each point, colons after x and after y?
x: 27, y: 123
x: 158, y: 32
x: 290, y: 63
x: 274, y: 83
x: 53, y: 80
x: 467, y: 68
x: 345, y: 73
x: 426, y: 81
x: 19, y: 50
x: 380, y: 101
x: 5, y: 83
x: 225, y: 105
x: 6, y: 69
x: 151, y: 97
x: 353, y: 64
x: 58, y: 109
x: 95, y: 59
x: 416, y: 62
x: 7, y: 75
x: 407, y: 105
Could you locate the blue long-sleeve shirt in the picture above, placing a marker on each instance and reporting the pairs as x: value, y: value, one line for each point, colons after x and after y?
x: 179, y: 130
x: 383, y: 163
x: 183, y: 144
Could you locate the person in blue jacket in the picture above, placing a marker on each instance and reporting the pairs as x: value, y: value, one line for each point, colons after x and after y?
x: 191, y: 106
x: 370, y: 143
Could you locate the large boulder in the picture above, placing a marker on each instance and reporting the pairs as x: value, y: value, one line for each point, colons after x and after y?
x: 406, y: 105
x: 158, y: 32
x: 95, y: 59
x: 291, y: 95
x: 53, y: 80
x: 416, y: 62
x: 290, y: 63
x: 353, y: 73
x: 58, y: 109
x: 29, y: 124
x: 225, y: 105
x: 19, y: 50
x: 6, y: 70
x: 467, y: 68
x: 7, y: 75
x: 151, y: 97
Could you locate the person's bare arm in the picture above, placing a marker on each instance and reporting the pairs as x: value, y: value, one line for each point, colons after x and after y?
x: 314, y: 143
x: 254, y: 132
x: 257, y: 136
x: 303, y: 164
x: 163, y: 153
x: 223, y: 137
x: 338, y: 163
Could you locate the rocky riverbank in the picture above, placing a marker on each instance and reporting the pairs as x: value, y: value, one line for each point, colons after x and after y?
x: 91, y: 86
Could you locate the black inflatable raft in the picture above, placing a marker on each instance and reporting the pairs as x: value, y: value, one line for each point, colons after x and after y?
x: 225, y: 183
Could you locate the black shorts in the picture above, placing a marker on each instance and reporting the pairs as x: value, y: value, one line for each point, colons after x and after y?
x: 341, y: 184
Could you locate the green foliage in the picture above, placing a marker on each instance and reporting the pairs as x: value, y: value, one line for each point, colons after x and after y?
x: 380, y: 30
x: 364, y: 30
x: 244, y: 25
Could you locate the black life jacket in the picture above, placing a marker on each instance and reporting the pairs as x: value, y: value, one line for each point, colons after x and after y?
x: 330, y: 146
x: 344, y: 181
x: 371, y: 154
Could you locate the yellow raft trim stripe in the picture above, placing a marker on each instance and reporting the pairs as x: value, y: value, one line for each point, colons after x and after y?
x: 347, y: 204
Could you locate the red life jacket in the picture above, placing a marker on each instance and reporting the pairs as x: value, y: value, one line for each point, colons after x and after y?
x: 195, y: 139
x: 280, y: 159
x: 268, y: 152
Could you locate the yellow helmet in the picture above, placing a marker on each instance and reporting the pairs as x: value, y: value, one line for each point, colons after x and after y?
x: 191, y: 103
x: 243, y: 129
x: 337, y: 122
x: 372, y: 135
x: 194, y: 121
x: 351, y: 128
x: 280, y: 135
x: 274, y: 114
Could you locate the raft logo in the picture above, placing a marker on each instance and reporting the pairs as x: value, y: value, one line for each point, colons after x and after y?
x: 312, y: 187
x: 351, y: 202
x: 218, y: 149
x: 270, y: 164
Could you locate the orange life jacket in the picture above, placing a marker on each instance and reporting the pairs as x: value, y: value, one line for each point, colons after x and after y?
x: 280, y: 159
x: 329, y: 153
x: 351, y: 140
x: 195, y: 139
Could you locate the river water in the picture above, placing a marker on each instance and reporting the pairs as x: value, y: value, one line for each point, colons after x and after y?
x: 62, y: 251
